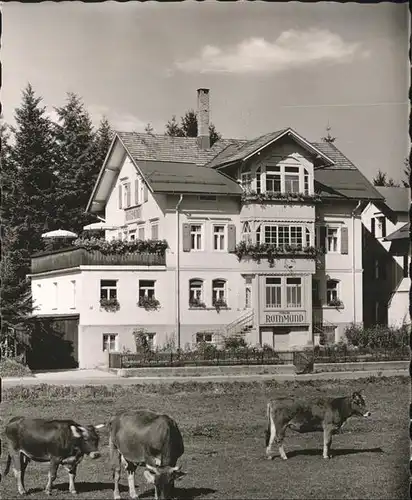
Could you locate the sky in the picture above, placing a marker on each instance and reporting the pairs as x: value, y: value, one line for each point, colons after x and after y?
x: 268, y: 66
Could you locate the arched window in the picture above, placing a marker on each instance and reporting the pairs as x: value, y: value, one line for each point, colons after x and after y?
x: 218, y: 291
x: 195, y: 292
x: 332, y: 292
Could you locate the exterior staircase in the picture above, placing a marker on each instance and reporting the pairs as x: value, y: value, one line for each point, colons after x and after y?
x: 240, y: 326
x: 325, y: 331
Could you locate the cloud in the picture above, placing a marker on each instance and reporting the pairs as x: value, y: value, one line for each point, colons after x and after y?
x: 292, y: 49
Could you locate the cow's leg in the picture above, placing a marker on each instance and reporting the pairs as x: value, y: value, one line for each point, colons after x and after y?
x: 115, y: 459
x: 72, y: 469
x: 54, y: 465
x: 24, y: 462
x: 272, y: 438
x: 131, y: 468
x: 18, y: 469
x: 279, y: 440
x: 327, y: 442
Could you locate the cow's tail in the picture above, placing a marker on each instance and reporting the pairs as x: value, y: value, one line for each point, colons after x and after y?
x: 7, y: 468
x: 267, y: 431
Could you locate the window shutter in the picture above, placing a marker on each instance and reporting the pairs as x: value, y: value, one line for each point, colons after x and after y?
x: 322, y: 238
x: 145, y: 193
x: 186, y: 237
x: 231, y: 238
x: 128, y: 195
x: 344, y: 247
x: 136, y: 191
x: 120, y: 196
x: 383, y: 227
x: 373, y: 226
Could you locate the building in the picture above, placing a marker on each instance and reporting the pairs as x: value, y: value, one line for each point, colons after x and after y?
x: 244, y: 221
x: 386, y: 258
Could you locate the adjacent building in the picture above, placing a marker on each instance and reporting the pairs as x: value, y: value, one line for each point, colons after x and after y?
x: 264, y: 242
x: 386, y: 258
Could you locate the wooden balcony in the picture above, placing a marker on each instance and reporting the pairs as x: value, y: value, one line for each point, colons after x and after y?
x: 74, y: 257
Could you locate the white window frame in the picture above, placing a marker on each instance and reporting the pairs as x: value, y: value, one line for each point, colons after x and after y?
x: 126, y: 187
x: 247, y: 233
x: 73, y: 286
x: 296, y: 292
x: 154, y: 224
x: 108, y: 339
x: 282, y: 171
x: 329, y: 248
x: 221, y: 237
x: 194, y: 237
x: 132, y: 235
x: 332, y: 293
x: 108, y: 289
x: 195, y: 291
x: 148, y: 290
x: 269, y: 287
x: 277, y: 229
x: 219, y: 292
x: 206, y: 337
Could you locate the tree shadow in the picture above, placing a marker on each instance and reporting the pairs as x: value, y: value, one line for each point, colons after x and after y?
x: 182, y: 493
x: 335, y: 452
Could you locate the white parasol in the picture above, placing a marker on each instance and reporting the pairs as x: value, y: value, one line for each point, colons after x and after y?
x: 59, y: 233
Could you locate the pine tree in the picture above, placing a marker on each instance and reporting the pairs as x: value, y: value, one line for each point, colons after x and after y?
x: 407, y: 173
x: 382, y: 180
x: 188, y: 127
x: 78, y: 163
x: 148, y: 129
x: 102, y: 142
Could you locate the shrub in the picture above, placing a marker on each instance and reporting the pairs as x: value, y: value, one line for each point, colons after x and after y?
x: 234, y: 343
x: 378, y: 336
x: 14, y: 367
x: 140, y: 338
x: 196, y: 303
x: 219, y: 304
x: 121, y: 247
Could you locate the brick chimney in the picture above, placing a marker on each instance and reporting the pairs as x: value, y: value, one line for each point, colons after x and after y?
x: 203, y: 138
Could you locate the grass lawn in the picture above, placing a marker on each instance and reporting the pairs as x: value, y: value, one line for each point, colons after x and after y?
x: 223, y: 428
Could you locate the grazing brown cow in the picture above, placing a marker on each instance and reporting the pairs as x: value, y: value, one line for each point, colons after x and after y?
x: 56, y: 441
x: 149, y: 439
x: 325, y: 414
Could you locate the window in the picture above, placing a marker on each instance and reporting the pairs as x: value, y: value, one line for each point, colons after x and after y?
x: 248, y: 296
x: 246, y: 233
x: 218, y: 290
x: 273, y: 293
x: 259, y: 234
x: 315, y: 292
x: 126, y: 195
x: 204, y: 337
x: 146, y: 288
x: 141, y: 232
x: 196, y: 236
x: 108, y: 289
x: 292, y: 179
x: 136, y: 192
x: 380, y: 227
x: 306, y: 181
x: 195, y: 292
x: 293, y: 292
x: 110, y: 342
x: 55, y: 295
x: 155, y: 230
x: 273, y: 179
x: 73, y: 286
x: 132, y: 235
x: 246, y: 181
x: 258, y: 181
x: 281, y: 236
x: 332, y: 239
x: 332, y: 291
x: 218, y: 237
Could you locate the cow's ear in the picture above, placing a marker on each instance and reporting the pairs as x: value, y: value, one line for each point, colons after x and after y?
x: 75, y: 431
x: 150, y: 478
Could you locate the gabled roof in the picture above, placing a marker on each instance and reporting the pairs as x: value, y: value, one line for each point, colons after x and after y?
x: 400, y: 234
x: 396, y: 198
x: 159, y: 147
x: 173, y: 177
x: 249, y: 148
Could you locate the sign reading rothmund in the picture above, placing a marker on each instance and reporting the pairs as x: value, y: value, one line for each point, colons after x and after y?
x: 284, y: 318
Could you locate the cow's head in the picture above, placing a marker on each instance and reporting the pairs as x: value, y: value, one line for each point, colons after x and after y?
x: 163, y: 479
x: 359, y: 405
x: 88, y: 439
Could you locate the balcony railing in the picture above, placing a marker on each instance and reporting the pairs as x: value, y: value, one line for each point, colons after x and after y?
x: 75, y: 257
